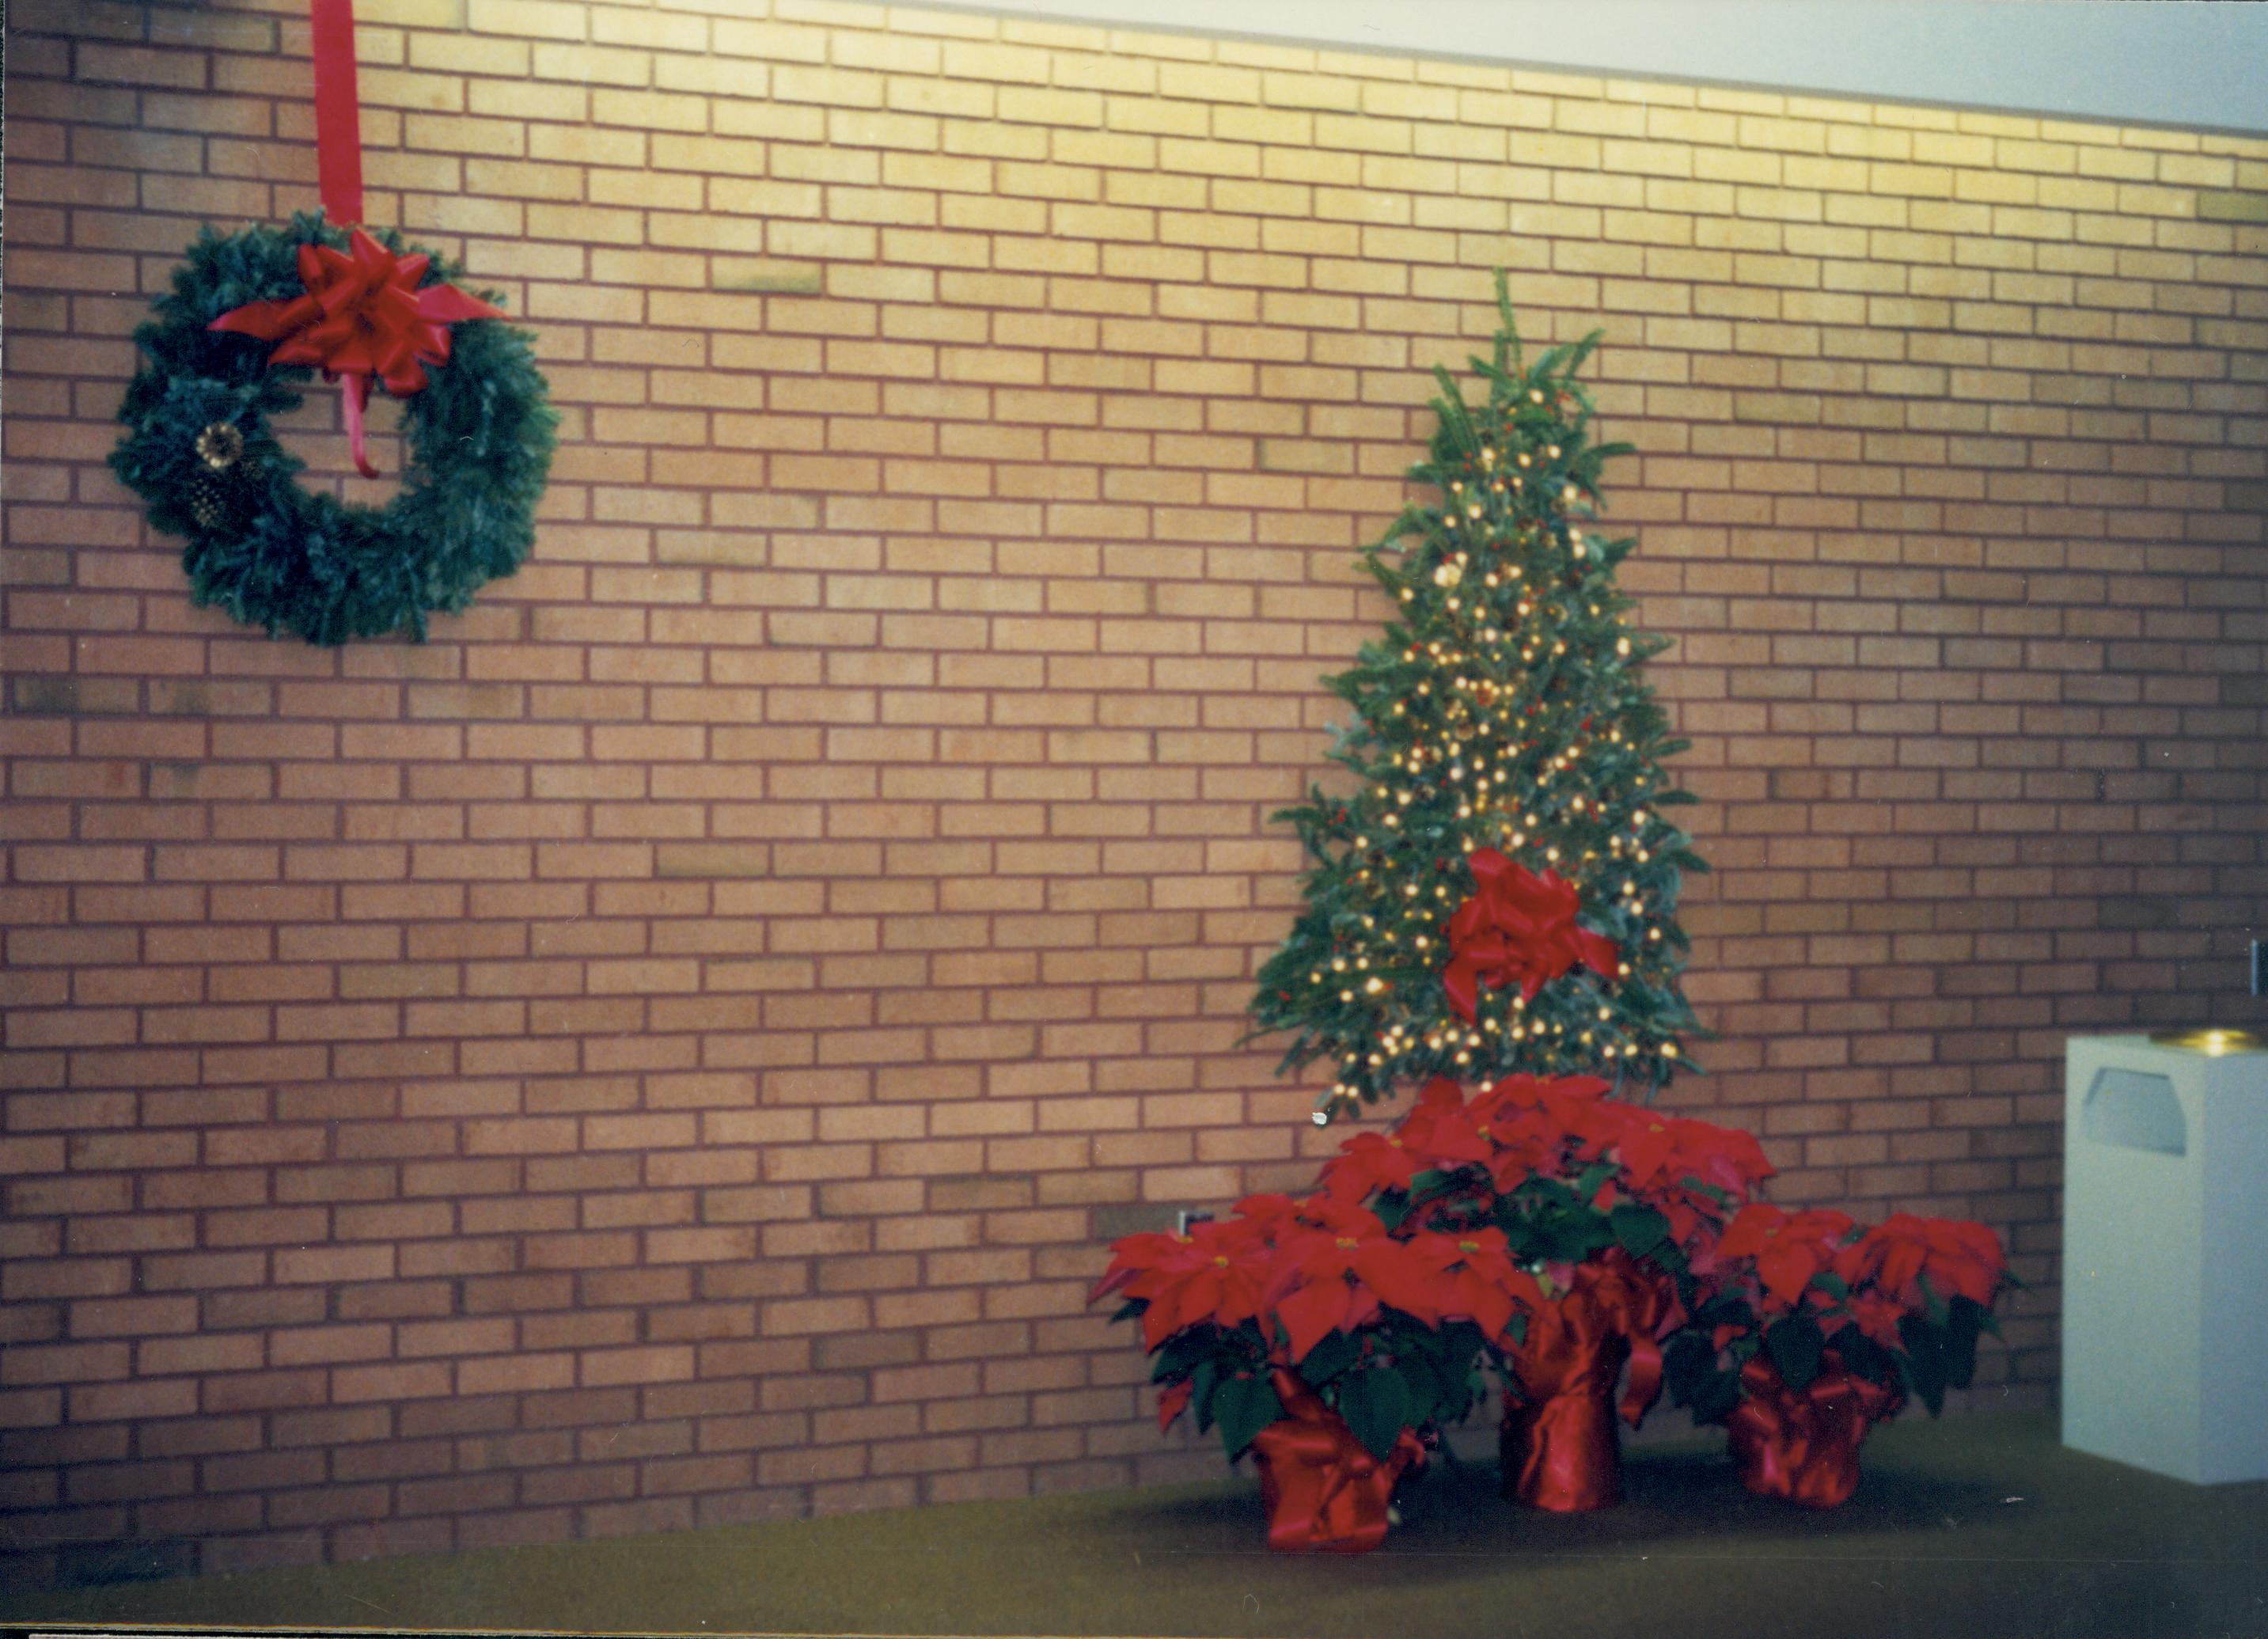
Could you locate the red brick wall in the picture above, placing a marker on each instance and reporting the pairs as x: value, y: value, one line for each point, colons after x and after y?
x: 670, y: 1048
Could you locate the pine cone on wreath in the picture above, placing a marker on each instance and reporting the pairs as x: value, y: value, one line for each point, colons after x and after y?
x: 214, y: 488
x: 209, y: 500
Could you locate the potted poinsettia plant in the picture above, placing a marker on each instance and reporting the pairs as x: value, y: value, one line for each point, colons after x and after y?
x: 1604, y: 1204
x: 1812, y: 1330
x: 1302, y: 1330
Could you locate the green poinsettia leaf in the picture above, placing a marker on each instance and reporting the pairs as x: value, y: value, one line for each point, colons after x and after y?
x: 1593, y: 1178
x: 1565, y: 1236
x: 1201, y: 1386
x: 1331, y: 1356
x: 1939, y: 1311
x: 1376, y: 1404
x: 1684, y: 1357
x: 1179, y: 1354
x: 1795, y: 1346
x: 1864, y: 1356
x: 1964, y: 1320
x: 1639, y: 1229
x: 1241, y: 1407
x: 1923, y: 1363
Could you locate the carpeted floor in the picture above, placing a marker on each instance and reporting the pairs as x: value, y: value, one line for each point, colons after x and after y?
x: 1980, y: 1525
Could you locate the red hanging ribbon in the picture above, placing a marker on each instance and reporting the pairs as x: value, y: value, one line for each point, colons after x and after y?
x: 1559, y: 1442
x: 1802, y: 1445
x: 1323, y: 1492
x: 1518, y: 928
x: 363, y: 321
x: 338, y: 110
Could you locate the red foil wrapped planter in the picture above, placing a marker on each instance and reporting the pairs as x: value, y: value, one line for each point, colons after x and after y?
x: 1559, y: 1445
x: 1323, y: 1492
x: 1562, y: 1453
x: 1802, y: 1445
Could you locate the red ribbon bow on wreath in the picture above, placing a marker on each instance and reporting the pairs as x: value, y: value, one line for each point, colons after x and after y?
x: 363, y: 319
x: 1519, y: 928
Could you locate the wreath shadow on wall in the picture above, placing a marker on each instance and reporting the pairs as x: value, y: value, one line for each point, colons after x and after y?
x: 199, y: 452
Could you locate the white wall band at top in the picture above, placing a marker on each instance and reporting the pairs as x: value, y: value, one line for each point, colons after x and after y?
x: 2187, y: 63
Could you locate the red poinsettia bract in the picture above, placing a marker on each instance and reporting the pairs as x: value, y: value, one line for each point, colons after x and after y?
x: 1215, y: 1273
x: 1685, y: 1169
x: 1442, y: 1127
x: 1336, y: 1268
x: 1957, y: 1259
x: 1881, y: 1270
x: 1368, y: 1162
x: 1439, y: 1133
x: 1789, y: 1249
x: 1475, y: 1277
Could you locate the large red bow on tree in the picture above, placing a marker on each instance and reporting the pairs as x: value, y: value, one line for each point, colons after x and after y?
x: 1519, y: 928
x: 363, y: 319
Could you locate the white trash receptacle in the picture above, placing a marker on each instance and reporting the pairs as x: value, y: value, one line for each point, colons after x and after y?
x: 2165, y: 1257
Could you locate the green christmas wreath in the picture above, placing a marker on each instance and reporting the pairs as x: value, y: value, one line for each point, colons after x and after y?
x: 199, y: 452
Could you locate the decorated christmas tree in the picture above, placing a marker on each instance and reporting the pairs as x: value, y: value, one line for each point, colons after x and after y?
x: 1497, y: 891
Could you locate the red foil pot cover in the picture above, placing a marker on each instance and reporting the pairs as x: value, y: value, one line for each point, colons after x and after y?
x: 1560, y: 1446
x: 1563, y: 1453
x: 1323, y: 1492
x: 1802, y: 1446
